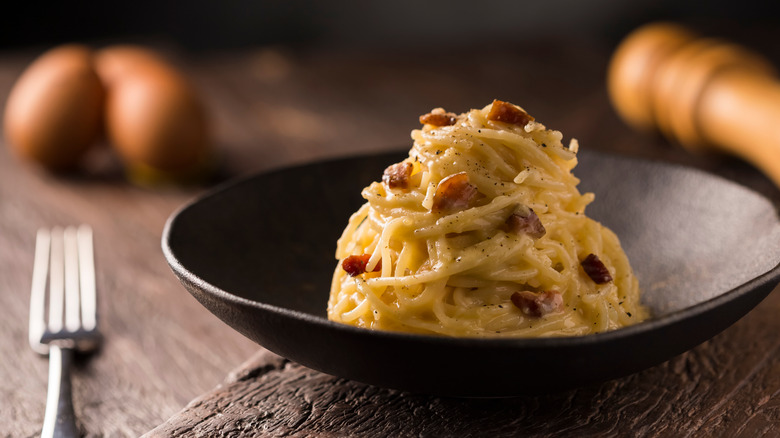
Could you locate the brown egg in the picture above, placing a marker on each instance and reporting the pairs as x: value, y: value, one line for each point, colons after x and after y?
x: 154, y: 118
x: 54, y: 111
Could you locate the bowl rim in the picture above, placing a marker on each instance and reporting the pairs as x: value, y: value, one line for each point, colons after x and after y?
x: 770, y: 277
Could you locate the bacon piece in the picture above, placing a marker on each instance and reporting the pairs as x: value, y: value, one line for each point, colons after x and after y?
x: 595, y: 269
x: 524, y: 220
x: 438, y: 118
x: 506, y: 112
x: 454, y: 193
x: 397, y: 175
x: 537, y: 304
x: 356, y: 264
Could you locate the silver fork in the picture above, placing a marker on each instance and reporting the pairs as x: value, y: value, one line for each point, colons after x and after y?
x: 65, y: 258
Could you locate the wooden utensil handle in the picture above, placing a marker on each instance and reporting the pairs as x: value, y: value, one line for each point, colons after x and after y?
x: 700, y: 92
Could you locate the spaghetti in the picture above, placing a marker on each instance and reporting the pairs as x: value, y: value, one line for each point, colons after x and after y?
x: 481, y: 232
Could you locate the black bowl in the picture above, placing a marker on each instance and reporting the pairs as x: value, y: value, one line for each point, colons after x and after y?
x: 259, y: 254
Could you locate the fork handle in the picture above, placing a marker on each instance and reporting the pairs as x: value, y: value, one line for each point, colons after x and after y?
x: 59, y: 420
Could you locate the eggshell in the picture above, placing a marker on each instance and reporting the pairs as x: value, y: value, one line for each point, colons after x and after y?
x: 154, y: 118
x: 117, y: 62
x: 54, y: 111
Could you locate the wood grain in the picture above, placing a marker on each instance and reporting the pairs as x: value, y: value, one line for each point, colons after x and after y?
x: 274, y: 107
x: 696, y: 394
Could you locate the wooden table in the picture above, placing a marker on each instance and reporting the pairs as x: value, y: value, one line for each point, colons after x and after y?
x: 274, y: 107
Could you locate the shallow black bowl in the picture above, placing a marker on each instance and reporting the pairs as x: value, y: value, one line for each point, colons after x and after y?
x: 259, y: 254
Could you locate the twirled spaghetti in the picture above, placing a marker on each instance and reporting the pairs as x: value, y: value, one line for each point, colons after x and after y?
x: 482, y: 232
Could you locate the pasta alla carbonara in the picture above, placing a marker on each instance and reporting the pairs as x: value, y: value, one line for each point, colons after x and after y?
x: 482, y: 232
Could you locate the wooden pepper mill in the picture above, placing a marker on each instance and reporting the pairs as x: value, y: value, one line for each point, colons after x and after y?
x: 700, y: 92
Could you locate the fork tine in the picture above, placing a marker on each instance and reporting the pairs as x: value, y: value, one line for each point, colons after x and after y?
x: 87, y: 276
x: 38, y: 291
x: 68, y: 256
x: 70, y: 249
x: 56, y: 280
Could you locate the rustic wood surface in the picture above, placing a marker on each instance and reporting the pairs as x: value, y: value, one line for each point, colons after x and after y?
x: 274, y: 107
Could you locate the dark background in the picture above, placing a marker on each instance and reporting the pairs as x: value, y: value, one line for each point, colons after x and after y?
x: 217, y: 25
